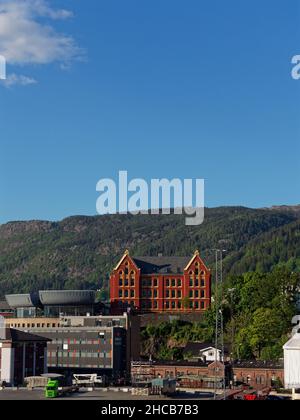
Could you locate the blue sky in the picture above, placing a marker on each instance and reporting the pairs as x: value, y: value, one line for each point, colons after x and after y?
x: 173, y: 88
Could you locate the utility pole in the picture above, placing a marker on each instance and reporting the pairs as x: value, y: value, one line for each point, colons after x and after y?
x: 219, y: 326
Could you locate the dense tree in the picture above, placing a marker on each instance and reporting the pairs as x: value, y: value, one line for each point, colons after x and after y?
x: 257, y: 311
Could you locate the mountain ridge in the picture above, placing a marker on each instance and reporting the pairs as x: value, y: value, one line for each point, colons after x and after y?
x: 79, y: 251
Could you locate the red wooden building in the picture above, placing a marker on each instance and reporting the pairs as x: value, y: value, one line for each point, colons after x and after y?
x: 160, y: 284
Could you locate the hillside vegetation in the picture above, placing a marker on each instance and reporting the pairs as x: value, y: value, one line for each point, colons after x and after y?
x: 79, y: 252
x: 257, y: 309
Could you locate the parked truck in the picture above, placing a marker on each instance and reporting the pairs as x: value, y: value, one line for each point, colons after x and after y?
x: 57, y: 387
x: 89, y: 380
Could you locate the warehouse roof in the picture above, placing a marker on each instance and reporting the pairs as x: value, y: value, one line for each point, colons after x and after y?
x: 51, y: 297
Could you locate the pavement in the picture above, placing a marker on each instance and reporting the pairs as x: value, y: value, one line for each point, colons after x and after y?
x: 97, y: 395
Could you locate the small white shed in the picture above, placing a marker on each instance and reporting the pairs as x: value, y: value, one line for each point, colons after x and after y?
x: 292, y: 362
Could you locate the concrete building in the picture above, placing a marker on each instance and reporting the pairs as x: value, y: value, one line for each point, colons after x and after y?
x: 82, y: 343
x: 160, y: 284
x: 21, y: 354
x: 292, y: 362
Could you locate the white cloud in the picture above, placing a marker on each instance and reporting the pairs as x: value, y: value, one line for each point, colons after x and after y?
x: 28, y: 38
x: 18, y: 79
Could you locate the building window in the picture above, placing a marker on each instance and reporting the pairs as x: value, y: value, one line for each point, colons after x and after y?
x: 132, y: 282
x: 132, y: 293
x: 196, y: 293
x: 173, y: 294
x: 155, y: 293
x: 155, y: 283
x: 202, y: 283
x: 173, y: 282
x: 167, y: 305
x: 126, y: 283
x: 167, y: 282
x: 202, y: 293
x: 126, y: 293
x: 179, y: 284
x: 202, y: 305
x: 179, y: 294
x: 196, y: 305
x: 120, y: 282
x: 173, y: 304
x: 120, y: 293
x: 196, y: 282
x: 191, y: 283
x: 191, y: 293
x: 167, y: 293
x: 155, y: 305
x: 179, y: 305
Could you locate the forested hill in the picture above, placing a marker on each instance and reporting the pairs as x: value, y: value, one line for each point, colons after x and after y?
x: 79, y: 251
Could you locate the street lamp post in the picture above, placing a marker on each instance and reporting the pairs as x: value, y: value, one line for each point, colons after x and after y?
x: 219, y: 327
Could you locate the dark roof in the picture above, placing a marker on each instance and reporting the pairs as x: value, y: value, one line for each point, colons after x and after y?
x: 170, y: 363
x: 20, y: 336
x: 162, y: 265
x: 195, y: 347
x: 267, y: 364
x: 4, y: 305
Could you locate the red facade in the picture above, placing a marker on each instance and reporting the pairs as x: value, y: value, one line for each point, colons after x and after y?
x: 185, y: 287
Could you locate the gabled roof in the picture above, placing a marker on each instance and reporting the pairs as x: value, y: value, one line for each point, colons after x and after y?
x: 161, y: 265
x: 196, y: 347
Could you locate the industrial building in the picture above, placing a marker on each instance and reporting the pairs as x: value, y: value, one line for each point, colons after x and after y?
x: 160, y: 284
x: 54, y: 303
x: 80, y: 342
x: 21, y: 355
x: 292, y: 362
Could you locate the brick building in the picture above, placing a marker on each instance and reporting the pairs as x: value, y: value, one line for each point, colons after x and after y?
x: 188, y: 374
x: 256, y: 374
x: 160, y: 284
